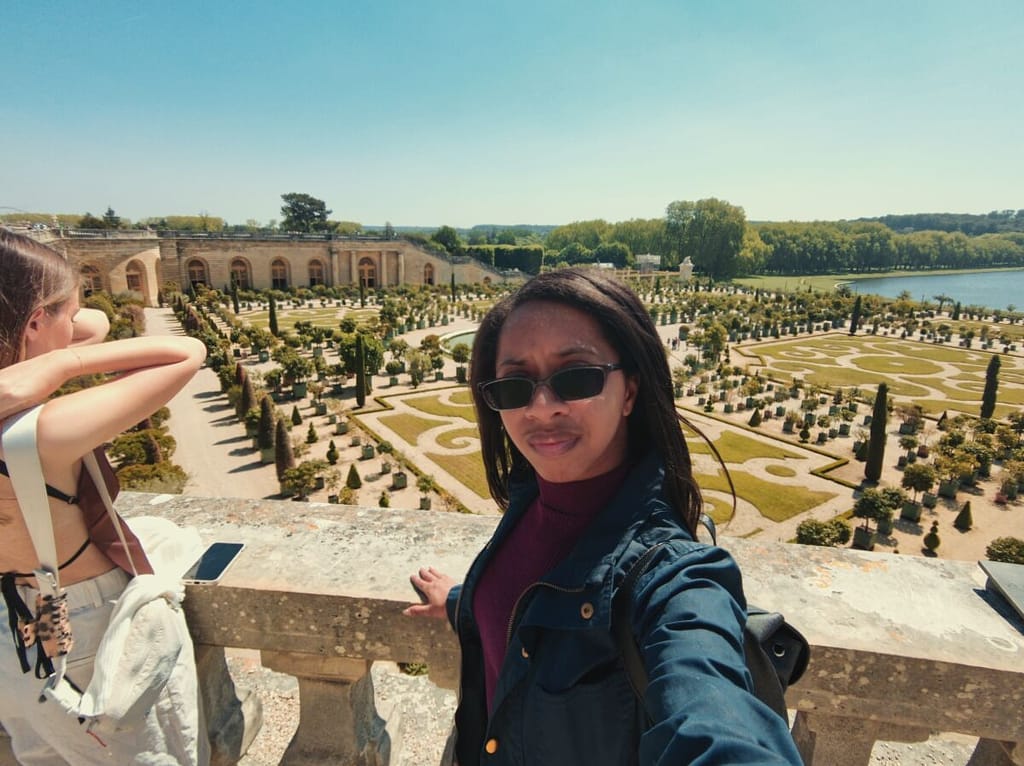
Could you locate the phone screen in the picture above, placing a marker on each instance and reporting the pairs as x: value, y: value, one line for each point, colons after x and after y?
x: 213, y: 562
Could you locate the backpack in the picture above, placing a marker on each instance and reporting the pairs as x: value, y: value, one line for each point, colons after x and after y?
x: 776, y: 653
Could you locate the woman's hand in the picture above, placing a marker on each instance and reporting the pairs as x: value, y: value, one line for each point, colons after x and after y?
x: 433, y: 587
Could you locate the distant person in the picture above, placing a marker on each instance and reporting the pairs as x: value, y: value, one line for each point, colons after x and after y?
x: 584, y: 453
x: 45, y: 340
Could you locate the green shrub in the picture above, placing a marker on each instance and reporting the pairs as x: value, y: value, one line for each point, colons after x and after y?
x: 1009, y: 550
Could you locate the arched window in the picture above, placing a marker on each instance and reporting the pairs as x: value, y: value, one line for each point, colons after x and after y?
x: 367, y: 273
x: 428, y: 274
x: 240, y: 274
x: 135, y: 276
x: 316, y: 273
x: 197, y: 273
x: 92, y: 280
x: 279, y: 274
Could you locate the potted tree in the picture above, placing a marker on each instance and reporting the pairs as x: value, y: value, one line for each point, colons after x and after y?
x: 870, y: 506
x: 460, y: 355
x: 426, y: 485
x: 918, y: 477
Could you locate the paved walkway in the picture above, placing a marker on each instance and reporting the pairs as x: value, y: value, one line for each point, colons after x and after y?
x: 212, y: 446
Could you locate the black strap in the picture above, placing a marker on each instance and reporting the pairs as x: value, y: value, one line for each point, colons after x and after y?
x: 623, y: 631
x: 18, y: 609
x: 51, y: 491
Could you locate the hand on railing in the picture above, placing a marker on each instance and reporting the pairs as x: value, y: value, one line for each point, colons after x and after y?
x: 433, y: 588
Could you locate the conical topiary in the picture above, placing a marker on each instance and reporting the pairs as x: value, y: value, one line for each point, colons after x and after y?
x: 931, y: 540
x: 296, y: 415
x: 332, y: 453
x: 964, y: 520
x: 353, y: 481
x: 311, y: 436
x: 755, y: 419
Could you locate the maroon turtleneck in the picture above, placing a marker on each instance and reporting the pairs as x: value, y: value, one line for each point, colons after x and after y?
x: 546, y: 534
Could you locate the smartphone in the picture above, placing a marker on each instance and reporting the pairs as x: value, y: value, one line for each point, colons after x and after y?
x: 213, y: 563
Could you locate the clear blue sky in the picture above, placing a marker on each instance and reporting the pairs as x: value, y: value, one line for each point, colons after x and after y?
x: 533, y: 111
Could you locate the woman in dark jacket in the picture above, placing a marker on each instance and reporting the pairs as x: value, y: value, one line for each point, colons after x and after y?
x: 584, y: 452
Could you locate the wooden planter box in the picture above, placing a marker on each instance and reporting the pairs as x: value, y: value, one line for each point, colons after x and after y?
x: 910, y: 511
x: 400, y: 480
x: 367, y: 452
x: 341, y: 427
x: 929, y: 500
x: 863, y: 539
x: 948, y: 489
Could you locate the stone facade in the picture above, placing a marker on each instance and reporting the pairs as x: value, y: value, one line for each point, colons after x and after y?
x: 142, y: 262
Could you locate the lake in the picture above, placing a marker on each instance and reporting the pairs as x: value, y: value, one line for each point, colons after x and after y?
x: 994, y: 289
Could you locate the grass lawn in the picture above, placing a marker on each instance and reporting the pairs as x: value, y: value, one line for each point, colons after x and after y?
x: 718, y: 509
x: 911, y: 369
x: 467, y: 469
x: 772, y: 501
x: 463, y: 397
x: 780, y: 470
x: 409, y: 427
x: 737, y: 448
x: 432, y: 405
x: 458, y: 438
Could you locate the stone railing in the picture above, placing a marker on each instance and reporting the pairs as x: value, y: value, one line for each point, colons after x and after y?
x: 902, y: 646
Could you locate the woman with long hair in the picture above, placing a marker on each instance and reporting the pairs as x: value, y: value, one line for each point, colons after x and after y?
x: 584, y: 453
x: 45, y: 340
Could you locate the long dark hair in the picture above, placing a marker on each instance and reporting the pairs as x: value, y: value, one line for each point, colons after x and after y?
x: 655, y: 423
x: 32, y: 275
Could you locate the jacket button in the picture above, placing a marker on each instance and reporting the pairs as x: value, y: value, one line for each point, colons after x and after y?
x: 526, y: 654
x: 587, y: 610
x: 492, y: 746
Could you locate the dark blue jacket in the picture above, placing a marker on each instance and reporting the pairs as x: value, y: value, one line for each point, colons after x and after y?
x: 562, y: 695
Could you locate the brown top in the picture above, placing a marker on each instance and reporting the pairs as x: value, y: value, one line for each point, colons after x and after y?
x: 98, y: 522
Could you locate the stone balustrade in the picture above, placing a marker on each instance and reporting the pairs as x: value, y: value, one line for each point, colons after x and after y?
x: 902, y: 646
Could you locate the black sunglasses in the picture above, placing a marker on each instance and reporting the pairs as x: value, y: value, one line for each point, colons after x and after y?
x: 569, y: 384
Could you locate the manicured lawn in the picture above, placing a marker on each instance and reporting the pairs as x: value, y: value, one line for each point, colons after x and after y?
x: 779, y: 470
x: 463, y: 397
x: 467, y: 469
x: 409, y: 427
x: 432, y: 405
x: 737, y: 448
x: 772, y: 501
x: 915, y: 371
x: 458, y: 438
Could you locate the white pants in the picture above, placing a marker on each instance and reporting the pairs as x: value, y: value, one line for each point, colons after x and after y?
x: 41, y: 733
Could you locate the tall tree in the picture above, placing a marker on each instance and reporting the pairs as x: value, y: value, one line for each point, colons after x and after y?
x: 274, y: 330
x: 111, y: 219
x: 876, y: 442
x: 449, y: 239
x: 855, y: 317
x: 360, y: 371
x: 988, y: 396
x: 284, y: 456
x: 710, y: 232
x: 303, y: 212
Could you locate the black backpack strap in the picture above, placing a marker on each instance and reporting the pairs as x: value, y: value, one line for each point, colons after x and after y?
x: 622, y: 631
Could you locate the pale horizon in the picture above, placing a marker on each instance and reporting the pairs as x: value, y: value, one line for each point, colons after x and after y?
x: 533, y: 113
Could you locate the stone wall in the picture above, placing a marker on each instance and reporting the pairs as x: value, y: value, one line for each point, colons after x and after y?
x: 902, y: 646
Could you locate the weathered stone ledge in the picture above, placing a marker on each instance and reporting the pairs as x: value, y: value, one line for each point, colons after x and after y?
x: 902, y: 646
